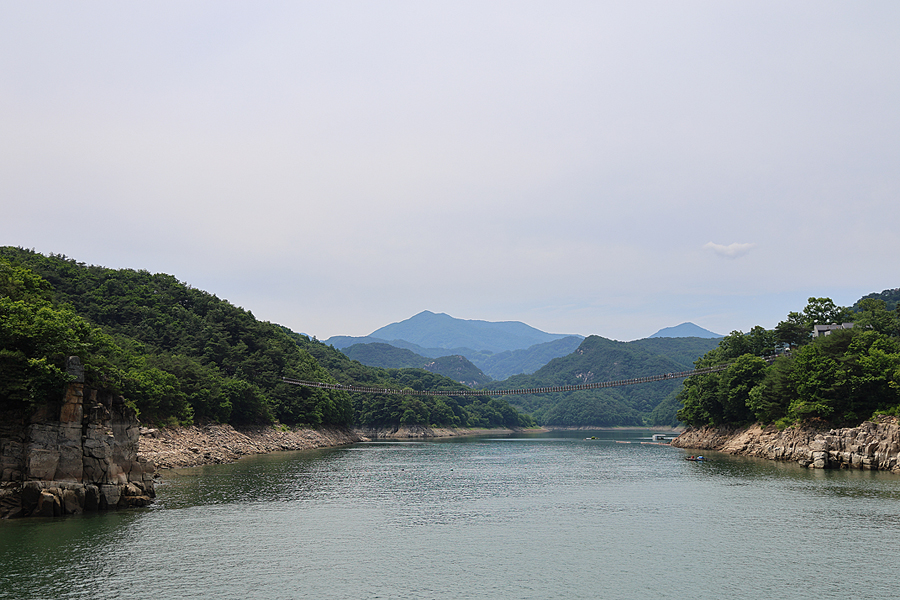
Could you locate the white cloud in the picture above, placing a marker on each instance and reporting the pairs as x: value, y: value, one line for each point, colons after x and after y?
x: 734, y: 250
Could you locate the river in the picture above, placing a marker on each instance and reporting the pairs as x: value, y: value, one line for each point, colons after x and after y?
x: 540, y: 516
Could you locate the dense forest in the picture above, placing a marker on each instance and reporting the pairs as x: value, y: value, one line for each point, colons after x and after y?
x: 456, y: 367
x: 181, y: 355
x: 600, y: 359
x: 842, y: 378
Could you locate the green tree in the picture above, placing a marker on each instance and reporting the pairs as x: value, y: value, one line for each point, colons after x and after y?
x: 794, y: 331
x: 771, y: 398
x: 873, y: 314
x: 823, y: 311
x: 158, y: 396
x: 736, y: 383
x: 818, y: 377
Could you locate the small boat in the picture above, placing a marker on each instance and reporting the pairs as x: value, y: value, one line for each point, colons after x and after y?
x: 695, y: 458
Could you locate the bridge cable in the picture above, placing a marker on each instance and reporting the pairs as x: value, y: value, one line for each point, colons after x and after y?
x: 513, y: 392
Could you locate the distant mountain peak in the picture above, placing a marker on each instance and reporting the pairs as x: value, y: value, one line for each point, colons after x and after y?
x: 439, y: 330
x: 685, y: 330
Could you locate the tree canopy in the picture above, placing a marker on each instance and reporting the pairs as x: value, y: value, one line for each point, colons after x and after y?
x: 182, y: 355
x: 843, y: 377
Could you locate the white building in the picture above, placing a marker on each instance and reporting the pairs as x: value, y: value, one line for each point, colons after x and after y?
x: 827, y: 329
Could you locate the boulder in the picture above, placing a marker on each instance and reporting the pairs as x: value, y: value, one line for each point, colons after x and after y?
x: 819, y: 460
x: 48, y: 505
x: 73, y: 501
x: 91, y: 498
x: 109, y: 496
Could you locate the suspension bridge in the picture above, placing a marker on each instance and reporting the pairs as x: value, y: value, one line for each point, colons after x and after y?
x: 517, y: 391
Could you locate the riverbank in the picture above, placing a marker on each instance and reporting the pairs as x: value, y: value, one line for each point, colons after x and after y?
x: 178, y: 447
x: 667, y: 430
x: 870, y: 446
x: 422, y: 432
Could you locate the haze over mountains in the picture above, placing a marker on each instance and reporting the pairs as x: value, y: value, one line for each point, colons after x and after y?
x: 497, y: 349
x: 685, y: 330
x: 443, y: 331
x: 184, y: 355
x: 495, y: 355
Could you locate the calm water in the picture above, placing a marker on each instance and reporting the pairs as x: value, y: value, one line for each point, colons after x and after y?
x: 531, y: 516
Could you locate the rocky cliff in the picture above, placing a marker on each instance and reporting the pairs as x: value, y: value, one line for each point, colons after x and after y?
x: 869, y: 446
x: 73, y: 455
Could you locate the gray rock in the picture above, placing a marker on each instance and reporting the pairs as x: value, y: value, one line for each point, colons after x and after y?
x: 75, y: 368
x: 48, y: 505
x: 41, y: 464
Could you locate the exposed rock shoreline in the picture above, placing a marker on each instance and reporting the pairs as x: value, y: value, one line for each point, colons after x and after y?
x: 74, y: 455
x: 178, y: 447
x: 870, y: 446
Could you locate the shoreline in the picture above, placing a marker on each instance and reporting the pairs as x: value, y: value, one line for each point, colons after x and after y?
x: 623, y: 428
x: 869, y: 446
x: 199, y: 445
x: 181, y: 447
x: 194, y: 446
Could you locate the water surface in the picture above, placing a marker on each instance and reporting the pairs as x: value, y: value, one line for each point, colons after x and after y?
x: 527, y: 516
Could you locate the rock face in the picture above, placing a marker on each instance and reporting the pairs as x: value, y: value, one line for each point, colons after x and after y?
x: 75, y: 456
x: 871, y: 445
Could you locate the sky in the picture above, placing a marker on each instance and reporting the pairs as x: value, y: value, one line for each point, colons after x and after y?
x: 607, y: 168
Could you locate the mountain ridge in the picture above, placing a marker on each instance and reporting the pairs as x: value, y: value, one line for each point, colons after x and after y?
x: 685, y: 330
x: 440, y: 330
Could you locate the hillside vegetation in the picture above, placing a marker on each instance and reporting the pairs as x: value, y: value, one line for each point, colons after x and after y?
x: 599, y: 359
x: 458, y: 368
x: 496, y: 365
x: 182, y: 355
x: 841, y: 378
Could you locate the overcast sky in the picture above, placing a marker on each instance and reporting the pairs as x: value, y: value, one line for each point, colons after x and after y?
x: 593, y: 167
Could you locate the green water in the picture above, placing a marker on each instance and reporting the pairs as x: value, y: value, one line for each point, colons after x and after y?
x: 529, y: 516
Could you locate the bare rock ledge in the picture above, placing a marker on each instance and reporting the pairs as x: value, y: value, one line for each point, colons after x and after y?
x: 873, y: 446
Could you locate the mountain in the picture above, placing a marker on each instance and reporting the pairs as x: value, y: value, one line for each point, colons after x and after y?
x: 345, y: 341
x: 685, y: 330
x: 684, y: 350
x: 891, y: 299
x: 396, y: 354
x: 494, y: 347
x: 386, y: 356
x: 599, y: 359
x: 456, y: 367
x: 516, y: 362
x: 431, y: 330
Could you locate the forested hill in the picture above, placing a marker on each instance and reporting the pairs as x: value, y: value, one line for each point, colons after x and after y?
x: 500, y: 365
x: 891, y: 299
x: 599, y: 359
x: 182, y: 355
x: 456, y: 367
x: 842, y: 378
x: 485, y: 366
